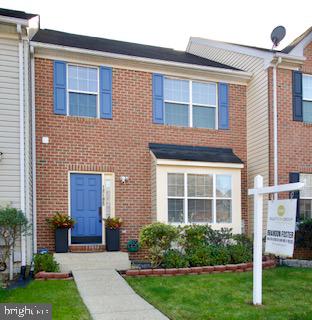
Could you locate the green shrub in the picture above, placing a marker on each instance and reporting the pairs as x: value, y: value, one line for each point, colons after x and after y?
x: 220, y: 255
x: 304, y: 234
x: 220, y: 237
x: 13, y: 224
x: 157, y: 238
x: 192, y: 236
x: 240, y: 253
x: 200, y: 256
x: 174, y: 258
x: 45, y: 262
x: 243, y: 240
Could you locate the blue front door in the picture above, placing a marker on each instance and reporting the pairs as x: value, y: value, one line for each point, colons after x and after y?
x: 86, y: 207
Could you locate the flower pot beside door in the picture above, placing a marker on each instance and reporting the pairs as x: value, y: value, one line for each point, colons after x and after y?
x: 61, y: 223
x: 112, y: 233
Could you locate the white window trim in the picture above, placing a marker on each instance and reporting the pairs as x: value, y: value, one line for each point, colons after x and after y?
x: 214, y: 198
x: 302, y: 197
x: 309, y: 76
x: 190, y: 102
x: 81, y: 91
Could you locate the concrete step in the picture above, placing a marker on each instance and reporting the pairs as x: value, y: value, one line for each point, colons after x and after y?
x: 87, y: 248
x: 93, y: 261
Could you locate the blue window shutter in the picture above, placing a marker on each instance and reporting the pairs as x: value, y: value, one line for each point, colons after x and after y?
x: 295, y: 177
x: 297, y: 96
x: 223, y: 90
x: 106, y: 92
x: 158, y: 98
x: 60, y: 87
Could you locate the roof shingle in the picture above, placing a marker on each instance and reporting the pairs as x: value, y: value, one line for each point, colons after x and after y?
x: 123, y: 48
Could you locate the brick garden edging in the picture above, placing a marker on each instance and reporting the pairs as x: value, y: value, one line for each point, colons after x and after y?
x: 241, y: 267
x: 42, y: 275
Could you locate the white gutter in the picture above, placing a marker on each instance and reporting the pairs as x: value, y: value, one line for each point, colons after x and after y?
x: 33, y: 143
x: 17, y: 21
x: 275, y: 124
x: 22, y: 135
x: 242, y: 74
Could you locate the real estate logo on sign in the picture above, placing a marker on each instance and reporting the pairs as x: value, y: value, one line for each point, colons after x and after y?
x: 280, y: 235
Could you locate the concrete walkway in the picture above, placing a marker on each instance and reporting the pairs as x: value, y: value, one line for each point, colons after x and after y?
x: 105, y: 293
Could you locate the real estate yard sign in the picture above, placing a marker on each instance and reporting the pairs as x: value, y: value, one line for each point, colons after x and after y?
x: 280, y: 235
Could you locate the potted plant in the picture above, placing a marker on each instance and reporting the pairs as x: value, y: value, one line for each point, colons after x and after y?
x: 112, y: 233
x: 61, y: 222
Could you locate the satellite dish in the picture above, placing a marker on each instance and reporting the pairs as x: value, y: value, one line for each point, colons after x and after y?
x: 278, y: 35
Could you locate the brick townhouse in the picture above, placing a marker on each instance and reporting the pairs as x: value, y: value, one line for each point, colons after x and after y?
x: 280, y: 152
x: 139, y: 132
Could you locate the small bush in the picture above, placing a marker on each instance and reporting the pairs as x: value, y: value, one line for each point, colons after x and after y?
x: 192, y: 236
x: 240, y: 253
x: 220, y: 255
x: 200, y: 256
x: 157, y: 238
x: 220, y: 237
x: 304, y: 234
x: 174, y: 258
x: 45, y: 262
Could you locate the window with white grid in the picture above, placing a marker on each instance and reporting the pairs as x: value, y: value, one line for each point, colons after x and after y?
x: 307, y: 98
x: 190, y: 103
x: 199, y: 198
x: 82, y: 91
x: 306, y: 196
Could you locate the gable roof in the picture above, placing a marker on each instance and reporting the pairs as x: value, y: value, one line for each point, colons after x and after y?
x: 16, y: 14
x: 124, y: 48
x: 193, y: 153
x: 294, y: 43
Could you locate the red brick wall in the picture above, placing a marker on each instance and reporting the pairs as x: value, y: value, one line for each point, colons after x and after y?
x: 294, y: 137
x: 119, y: 145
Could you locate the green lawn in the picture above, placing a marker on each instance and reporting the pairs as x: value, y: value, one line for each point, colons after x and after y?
x: 287, y: 295
x: 62, y: 294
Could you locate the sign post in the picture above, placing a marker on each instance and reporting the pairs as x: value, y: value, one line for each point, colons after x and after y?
x: 258, y: 193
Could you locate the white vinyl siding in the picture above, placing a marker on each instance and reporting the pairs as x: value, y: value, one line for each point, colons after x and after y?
x: 257, y: 110
x: 9, y: 123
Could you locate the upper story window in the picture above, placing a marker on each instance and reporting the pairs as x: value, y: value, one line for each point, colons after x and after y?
x: 83, y: 91
x: 190, y: 103
x: 307, y: 98
x: 306, y: 196
x: 199, y: 198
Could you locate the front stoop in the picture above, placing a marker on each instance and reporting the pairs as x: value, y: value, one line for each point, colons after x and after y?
x: 93, y: 261
x: 87, y: 248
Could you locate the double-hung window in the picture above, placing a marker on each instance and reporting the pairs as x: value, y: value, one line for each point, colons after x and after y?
x: 199, y: 198
x: 307, y: 98
x: 190, y: 103
x: 306, y: 196
x: 83, y: 91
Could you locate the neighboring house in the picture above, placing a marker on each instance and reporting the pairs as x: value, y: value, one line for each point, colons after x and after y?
x: 279, y: 110
x: 16, y: 28
x: 140, y: 132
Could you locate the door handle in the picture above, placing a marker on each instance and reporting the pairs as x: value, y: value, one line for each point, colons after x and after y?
x: 100, y: 214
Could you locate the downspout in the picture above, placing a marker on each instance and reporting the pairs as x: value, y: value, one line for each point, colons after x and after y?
x: 275, y: 124
x: 22, y: 135
x: 33, y: 144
